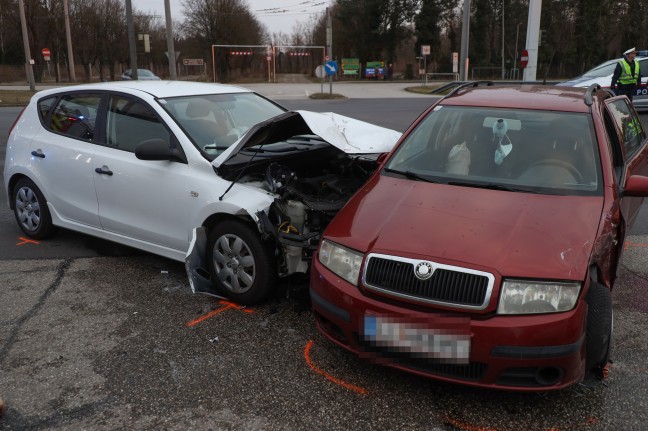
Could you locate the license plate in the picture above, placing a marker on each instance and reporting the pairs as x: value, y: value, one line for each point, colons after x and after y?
x: 449, y: 342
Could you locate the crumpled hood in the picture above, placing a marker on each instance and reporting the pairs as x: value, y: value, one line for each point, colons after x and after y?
x: 349, y: 135
x: 513, y: 234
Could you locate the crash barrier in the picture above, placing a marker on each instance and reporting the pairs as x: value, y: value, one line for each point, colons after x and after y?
x: 454, y: 76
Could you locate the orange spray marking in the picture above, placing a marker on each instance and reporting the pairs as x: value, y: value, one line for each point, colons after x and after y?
x: 227, y: 305
x: 629, y: 244
x: 335, y: 380
x: 26, y: 241
x: 464, y: 426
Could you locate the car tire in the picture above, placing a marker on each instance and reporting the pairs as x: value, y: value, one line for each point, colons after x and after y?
x: 31, y: 211
x: 240, y: 263
x: 599, y: 328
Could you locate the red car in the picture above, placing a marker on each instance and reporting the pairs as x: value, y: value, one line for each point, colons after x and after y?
x: 484, y: 250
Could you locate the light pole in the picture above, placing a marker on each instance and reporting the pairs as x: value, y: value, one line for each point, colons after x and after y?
x: 68, y: 37
x: 131, y: 39
x: 169, y: 34
x: 517, y: 33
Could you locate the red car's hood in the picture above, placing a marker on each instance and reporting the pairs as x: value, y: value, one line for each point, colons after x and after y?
x: 515, y: 234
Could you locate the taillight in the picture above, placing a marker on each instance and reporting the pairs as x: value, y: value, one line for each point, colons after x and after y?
x: 16, y: 122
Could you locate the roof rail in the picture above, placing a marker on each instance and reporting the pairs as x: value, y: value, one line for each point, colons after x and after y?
x: 589, y: 94
x: 472, y: 84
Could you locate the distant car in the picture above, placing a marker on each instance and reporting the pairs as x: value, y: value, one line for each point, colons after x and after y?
x: 602, y: 75
x: 485, y: 248
x: 142, y: 75
x: 215, y: 176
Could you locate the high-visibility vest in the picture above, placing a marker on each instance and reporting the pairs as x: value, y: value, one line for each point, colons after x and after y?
x: 626, y: 73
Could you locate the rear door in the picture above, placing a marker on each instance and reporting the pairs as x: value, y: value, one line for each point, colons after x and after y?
x: 62, y: 153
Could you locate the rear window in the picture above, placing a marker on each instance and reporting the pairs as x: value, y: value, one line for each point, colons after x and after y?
x: 75, y: 115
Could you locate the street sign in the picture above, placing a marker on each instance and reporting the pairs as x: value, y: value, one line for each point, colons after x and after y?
x: 193, y: 61
x: 425, y: 49
x: 331, y: 67
x: 524, y: 59
x: 319, y: 71
x: 46, y: 54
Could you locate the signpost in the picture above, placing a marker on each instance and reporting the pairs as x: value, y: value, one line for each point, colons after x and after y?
x: 331, y: 68
x: 524, y: 59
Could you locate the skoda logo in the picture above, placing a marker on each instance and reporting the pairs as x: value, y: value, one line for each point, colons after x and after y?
x: 423, y: 270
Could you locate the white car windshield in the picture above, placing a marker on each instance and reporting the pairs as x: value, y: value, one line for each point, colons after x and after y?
x: 213, y: 122
x: 602, y: 70
x: 516, y: 150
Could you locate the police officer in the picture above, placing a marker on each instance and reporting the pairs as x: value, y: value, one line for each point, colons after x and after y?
x: 627, y: 76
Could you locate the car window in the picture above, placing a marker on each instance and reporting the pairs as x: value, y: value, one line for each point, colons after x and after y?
x: 75, y: 115
x: 131, y: 122
x: 602, y: 70
x: 627, y: 121
x: 44, y: 107
x: 213, y: 122
x: 520, y: 150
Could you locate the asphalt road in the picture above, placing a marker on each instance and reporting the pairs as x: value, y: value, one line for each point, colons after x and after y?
x: 98, y: 336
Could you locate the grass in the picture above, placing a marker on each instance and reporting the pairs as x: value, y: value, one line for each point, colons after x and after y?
x: 15, y: 97
x: 326, y: 96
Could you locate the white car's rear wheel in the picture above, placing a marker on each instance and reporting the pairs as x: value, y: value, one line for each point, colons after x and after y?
x: 30, y: 209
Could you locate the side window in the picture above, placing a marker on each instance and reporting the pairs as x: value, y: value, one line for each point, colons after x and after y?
x: 627, y: 121
x: 44, y: 107
x: 130, y: 122
x: 75, y: 115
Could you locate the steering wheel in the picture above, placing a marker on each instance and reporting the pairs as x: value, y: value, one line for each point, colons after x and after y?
x: 559, y: 164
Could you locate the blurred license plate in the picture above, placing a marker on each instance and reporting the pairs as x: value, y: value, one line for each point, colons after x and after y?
x: 448, y: 343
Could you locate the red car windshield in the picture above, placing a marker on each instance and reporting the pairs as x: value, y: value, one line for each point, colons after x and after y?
x: 520, y: 150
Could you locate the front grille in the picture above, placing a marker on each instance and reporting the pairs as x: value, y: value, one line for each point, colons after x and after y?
x: 448, y: 285
x: 473, y: 371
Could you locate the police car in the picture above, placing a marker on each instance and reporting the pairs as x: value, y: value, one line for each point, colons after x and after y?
x: 602, y: 75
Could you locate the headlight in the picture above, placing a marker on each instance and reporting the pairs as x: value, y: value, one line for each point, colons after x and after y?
x: 342, y: 261
x: 529, y: 297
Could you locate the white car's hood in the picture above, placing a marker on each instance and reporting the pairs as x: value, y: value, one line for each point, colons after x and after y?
x: 349, y: 135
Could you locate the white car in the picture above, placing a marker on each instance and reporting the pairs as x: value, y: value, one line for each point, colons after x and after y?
x: 602, y: 75
x: 142, y: 75
x: 213, y: 175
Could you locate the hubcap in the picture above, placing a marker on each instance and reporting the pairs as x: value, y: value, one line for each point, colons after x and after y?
x: 28, y: 209
x: 234, y: 263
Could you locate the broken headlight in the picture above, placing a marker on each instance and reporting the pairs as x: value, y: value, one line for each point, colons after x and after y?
x: 532, y: 297
x: 341, y: 260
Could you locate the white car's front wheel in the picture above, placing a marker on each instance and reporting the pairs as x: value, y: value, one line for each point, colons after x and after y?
x: 240, y: 263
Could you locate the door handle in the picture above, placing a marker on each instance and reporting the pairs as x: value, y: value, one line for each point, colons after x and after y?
x: 103, y: 171
x: 38, y: 153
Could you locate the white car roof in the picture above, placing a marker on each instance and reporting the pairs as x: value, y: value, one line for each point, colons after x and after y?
x: 159, y: 89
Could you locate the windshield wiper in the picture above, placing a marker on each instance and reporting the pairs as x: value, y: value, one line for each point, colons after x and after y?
x: 491, y: 186
x: 411, y: 175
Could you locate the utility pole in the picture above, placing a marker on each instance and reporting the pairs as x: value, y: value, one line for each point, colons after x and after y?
x: 169, y: 35
x: 533, y: 29
x: 329, y: 45
x: 68, y: 36
x: 131, y: 40
x: 503, y: 66
x: 28, y: 60
x: 465, y: 33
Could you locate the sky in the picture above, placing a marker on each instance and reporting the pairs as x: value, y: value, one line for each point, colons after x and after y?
x: 276, y: 15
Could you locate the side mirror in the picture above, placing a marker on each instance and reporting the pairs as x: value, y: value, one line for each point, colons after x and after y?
x: 636, y: 185
x: 158, y: 149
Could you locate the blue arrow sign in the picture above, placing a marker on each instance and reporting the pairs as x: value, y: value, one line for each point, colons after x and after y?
x: 331, y: 67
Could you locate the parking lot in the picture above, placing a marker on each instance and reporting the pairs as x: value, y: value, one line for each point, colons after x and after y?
x: 98, y: 336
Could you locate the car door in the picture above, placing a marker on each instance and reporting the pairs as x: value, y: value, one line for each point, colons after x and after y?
x: 630, y: 142
x: 63, y: 152
x: 141, y: 199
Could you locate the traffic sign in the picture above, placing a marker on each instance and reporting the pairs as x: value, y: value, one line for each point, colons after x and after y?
x: 46, y: 54
x: 331, y: 67
x: 319, y: 71
x: 524, y: 59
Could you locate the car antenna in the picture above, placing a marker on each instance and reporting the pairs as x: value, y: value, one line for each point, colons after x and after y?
x: 238, y: 177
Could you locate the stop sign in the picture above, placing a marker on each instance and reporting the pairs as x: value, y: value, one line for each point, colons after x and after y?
x: 524, y: 59
x: 46, y: 53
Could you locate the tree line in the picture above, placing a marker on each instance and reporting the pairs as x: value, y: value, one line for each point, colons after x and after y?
x: 576, y: 34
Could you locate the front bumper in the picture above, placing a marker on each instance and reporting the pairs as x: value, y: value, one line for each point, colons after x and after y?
x: 522, y: 353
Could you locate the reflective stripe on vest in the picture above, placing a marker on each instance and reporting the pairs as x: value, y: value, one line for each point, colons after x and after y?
x: 626, y: 74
